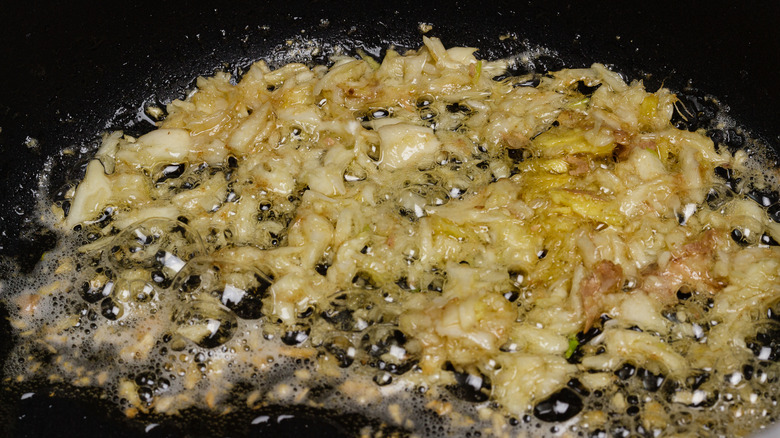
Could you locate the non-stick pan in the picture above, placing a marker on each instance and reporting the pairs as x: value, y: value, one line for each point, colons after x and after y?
x: 70, y: 71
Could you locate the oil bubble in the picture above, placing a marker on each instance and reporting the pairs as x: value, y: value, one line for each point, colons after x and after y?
x: 133, y: 290
x: 155, y: 243
x: 560, y: 406
x: 356, y: 310
x: 111, y: 309
x: 296, y: 335
x: 240, y: 288
x: 341, y: 349
x: 389, y: 349
x: 96, y: 288
x: 205, y: 322
x: 471, y: 386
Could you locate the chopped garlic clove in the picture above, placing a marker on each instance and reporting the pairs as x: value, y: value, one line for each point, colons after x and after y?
x: 404, y: 145
x: 91, y: 195
x: 160, y: 146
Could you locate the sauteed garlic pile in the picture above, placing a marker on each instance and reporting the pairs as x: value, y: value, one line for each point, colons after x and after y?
x: 540, y: 254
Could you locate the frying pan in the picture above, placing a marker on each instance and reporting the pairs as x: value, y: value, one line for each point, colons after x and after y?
x: 71, y: 71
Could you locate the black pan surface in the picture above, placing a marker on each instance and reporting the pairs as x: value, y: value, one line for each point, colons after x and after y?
x: 73, y: 70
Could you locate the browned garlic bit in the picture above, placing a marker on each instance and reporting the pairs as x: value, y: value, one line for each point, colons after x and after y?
x: 538, y: 254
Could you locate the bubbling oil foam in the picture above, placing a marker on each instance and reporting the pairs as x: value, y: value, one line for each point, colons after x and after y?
x: 85, y: 345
